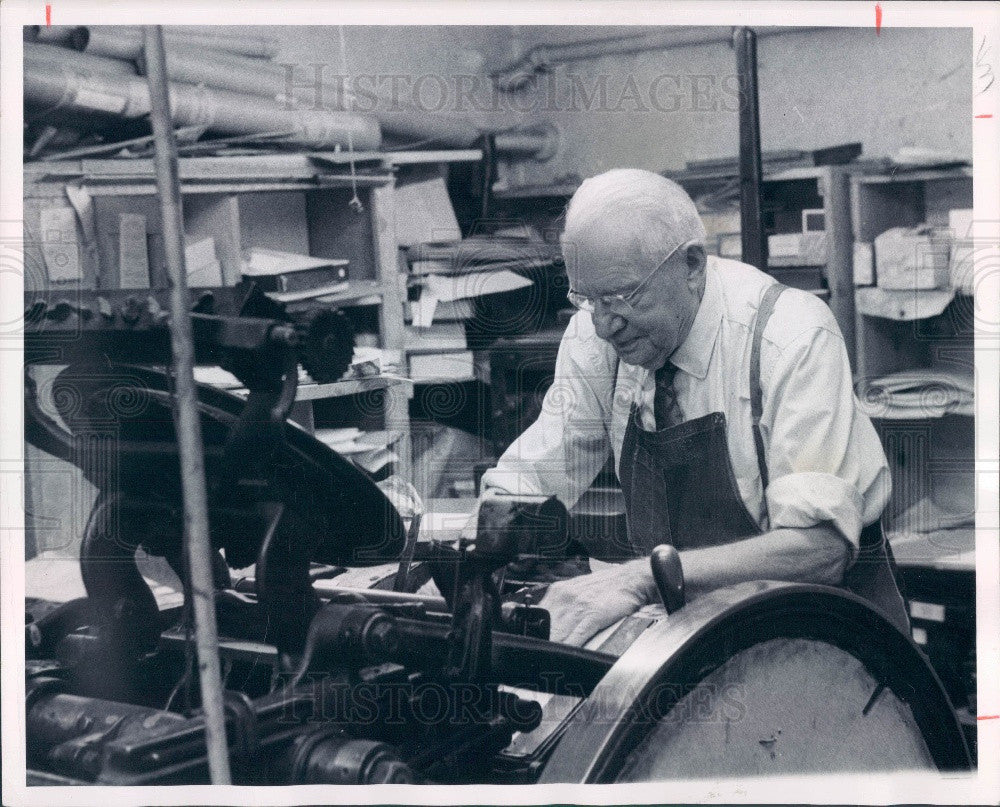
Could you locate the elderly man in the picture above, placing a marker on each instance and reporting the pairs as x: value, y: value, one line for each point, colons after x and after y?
x: 726, y: 399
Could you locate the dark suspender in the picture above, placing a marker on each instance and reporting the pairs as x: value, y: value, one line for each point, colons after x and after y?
x: 756, y: 393
x: 764, y: 312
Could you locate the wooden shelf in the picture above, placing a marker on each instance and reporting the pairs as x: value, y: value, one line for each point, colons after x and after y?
x: 257, y: 174
x: 920, y: 175
x: 338, y: 389
x: 358, y: 293
x: 903, y: 306
x: 723, y: 175
x: 536, y: 191
x: 393, y: 158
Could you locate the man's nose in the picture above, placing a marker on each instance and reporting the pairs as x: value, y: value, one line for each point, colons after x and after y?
x: 606, y: 323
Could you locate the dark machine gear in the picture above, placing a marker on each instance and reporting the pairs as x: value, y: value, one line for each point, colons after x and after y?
x: 327, y: 345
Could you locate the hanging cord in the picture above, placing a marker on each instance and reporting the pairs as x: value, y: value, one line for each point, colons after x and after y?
x: 355, y: 203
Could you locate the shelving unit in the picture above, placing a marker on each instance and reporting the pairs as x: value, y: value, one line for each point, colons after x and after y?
x: 932, y: 459
x: 785, y: 194
x: 292, y: 202
x: 902, y: 330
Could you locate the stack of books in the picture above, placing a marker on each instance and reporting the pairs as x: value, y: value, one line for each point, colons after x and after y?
x: 288, y: 277
x: 446, y: 272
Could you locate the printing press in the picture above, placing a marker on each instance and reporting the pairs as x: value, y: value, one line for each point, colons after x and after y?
x: 329, y: 684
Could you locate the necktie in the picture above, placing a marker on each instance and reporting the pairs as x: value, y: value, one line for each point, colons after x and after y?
x: 665, y: 409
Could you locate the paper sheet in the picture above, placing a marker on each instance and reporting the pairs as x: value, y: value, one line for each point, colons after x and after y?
x: 458, y: 287
x: 424, y: 213
x: 133, y: 256
x: 60, y: 248
x: 423, y: 309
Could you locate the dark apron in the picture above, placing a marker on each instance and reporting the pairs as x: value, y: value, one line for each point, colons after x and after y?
x: 680, y: 489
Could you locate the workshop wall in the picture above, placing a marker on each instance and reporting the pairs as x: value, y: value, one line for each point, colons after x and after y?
x: 659, y: 109
x: 907, y: 87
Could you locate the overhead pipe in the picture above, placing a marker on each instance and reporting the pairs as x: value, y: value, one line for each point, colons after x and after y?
x: 230, y: 78
x: 396, y: 116
x: 752, y: 235
x: 50, y: 34
x: 270, y: 80
x: 193, y: 487
x: 542, y: 58
x: 534, y: 142
x: 125, y: 42
x: 60, y: 87
x: 38, y: 52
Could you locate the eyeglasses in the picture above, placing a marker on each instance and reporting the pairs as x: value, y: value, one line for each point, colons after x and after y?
x: 619, y: 302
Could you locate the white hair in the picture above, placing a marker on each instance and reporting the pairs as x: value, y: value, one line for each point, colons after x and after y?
x: 643, y: 211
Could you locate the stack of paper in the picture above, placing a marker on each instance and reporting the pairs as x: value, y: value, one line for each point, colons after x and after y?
x: 918, y: 394
x: 444, y: 336
x: 478, y: 253
x: 453, y: 311
x: 289, y: 277
x: 444, y: 267
x: 442, y: 367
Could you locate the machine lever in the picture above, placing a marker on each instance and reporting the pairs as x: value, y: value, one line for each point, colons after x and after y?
x: 669, y: 576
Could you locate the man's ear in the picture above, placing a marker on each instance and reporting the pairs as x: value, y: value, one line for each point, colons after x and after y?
x: 697, y: 260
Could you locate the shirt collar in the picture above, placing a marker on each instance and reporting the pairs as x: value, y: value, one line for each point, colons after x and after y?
x: 695, y: 352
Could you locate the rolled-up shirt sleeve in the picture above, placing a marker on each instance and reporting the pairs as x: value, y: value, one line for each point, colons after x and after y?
x: 825, y: 461
x: 562, y: 452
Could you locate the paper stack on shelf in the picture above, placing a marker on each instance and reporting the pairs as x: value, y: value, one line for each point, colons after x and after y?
x: 439, y: 353
x: 908, y: 258
x: 442, y: 367
x: 442, y: 337
x: 444, y: 267
x: 289, y: 277
x: 926, y: 534
x: 919, y: 394
x: 452, y: 311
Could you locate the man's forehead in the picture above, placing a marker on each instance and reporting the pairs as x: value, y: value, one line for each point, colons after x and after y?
x: 601, y: 266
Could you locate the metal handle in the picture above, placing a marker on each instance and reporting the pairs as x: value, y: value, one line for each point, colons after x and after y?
x: 669, y: 576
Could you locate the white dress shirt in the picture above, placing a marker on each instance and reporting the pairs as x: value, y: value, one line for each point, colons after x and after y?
x: 824, y: 459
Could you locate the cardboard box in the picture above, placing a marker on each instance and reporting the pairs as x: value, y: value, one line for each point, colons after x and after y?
x: 908, y: 258
x: 864, y: 264
x: 796, y: 249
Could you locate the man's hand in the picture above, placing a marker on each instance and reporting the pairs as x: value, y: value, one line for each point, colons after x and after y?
x: 582, y: 606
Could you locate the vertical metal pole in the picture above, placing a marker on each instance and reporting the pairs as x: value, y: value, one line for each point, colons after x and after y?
x: 754, y: 241
x: 192, y: 461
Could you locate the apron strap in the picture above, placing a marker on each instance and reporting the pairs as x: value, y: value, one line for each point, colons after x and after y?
x: 764, y: 312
